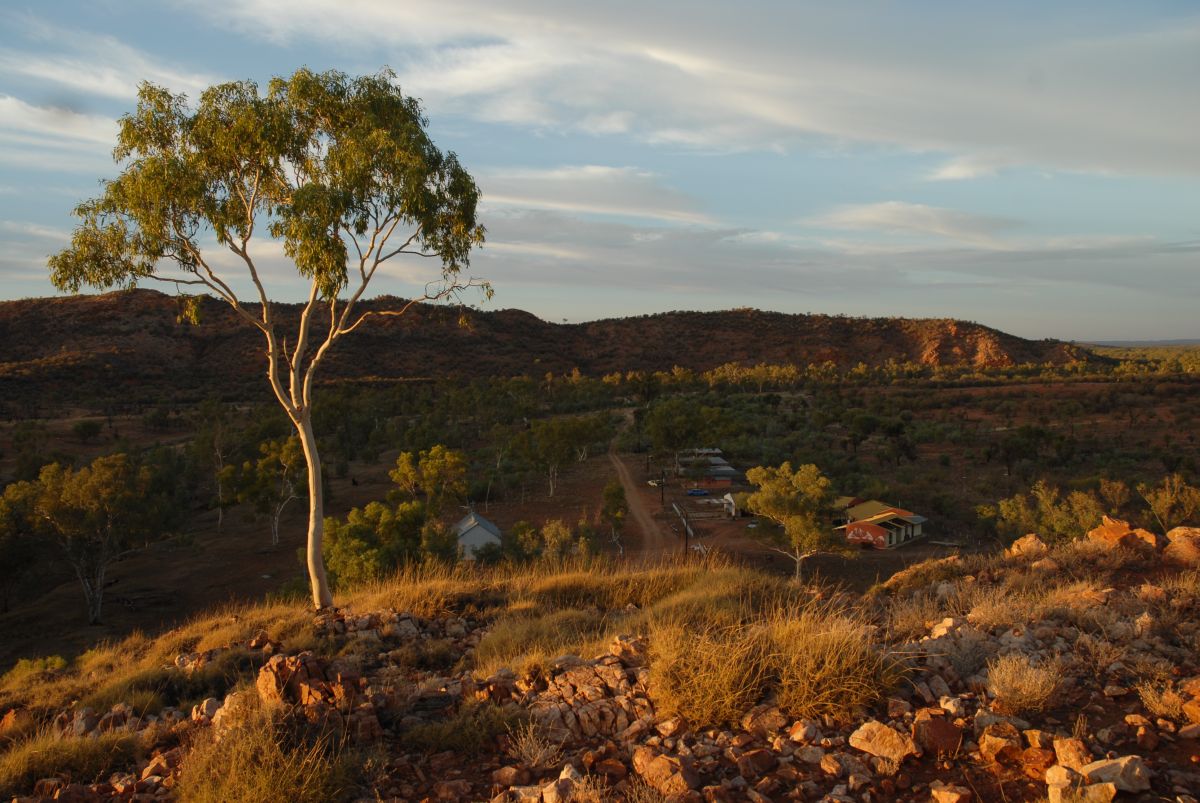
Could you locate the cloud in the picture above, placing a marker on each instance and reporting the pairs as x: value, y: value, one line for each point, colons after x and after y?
x: 969, y: 167
x: 1040, y: 89
x: 592, y: 189
x: 89, y: 63
x: 898, y: 217
x: 52, y: 138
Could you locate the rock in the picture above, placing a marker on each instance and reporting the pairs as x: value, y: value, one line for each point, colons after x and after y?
x: 526, y: 794
x: 936, y: 734
x: 1094, y: 793
x: 1117, y: 533
x: 1128, y: 773
x: 1000, y: 742
x: 897, y: 708
x: 452, y: 790
x: 14, y: 722
x: 510, y: 776
x: 804, y: 731
x: 764, y: 720
x: 1036, y: 761
x: 1072, y: 753
x: 940, y: 792
x: 1048, y: 565
x: 1029, y: 546
x: 1191, y: 710
x: 610, y: 768
x: 1061, y: 776
x: 1183, y: 546
x: 809, y: 754
x: 756, y: 762
x: 945, y: 627
x: 879, y: 740
x: 670, y: 775
x: 1190, y: 731
x: 206, y: 710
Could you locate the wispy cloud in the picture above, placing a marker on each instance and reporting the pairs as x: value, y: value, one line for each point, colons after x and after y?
x: 592, y: 189
x: 971, y: 85
x: 898, y: 217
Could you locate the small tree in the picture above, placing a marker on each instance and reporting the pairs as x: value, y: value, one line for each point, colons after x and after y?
x: 274, y: 481
x: 439, y: 474
x: 15, y: 550
x: 339, y: 171
x: 796, y: 500
x: 614, y: 510
x: 94, y: 514
x: 1172, y: 502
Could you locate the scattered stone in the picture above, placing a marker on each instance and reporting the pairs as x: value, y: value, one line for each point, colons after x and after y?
x: 1028, y: 546
x: 879, y: 740
x: 1128, y: 774
x: 949, y: 793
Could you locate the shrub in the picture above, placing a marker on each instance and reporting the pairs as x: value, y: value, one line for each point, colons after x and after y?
x: 529, y: 639
x: 1161, y: 701
x: 27, y: 668
x: 532, y: 748
x: 1021, y: 686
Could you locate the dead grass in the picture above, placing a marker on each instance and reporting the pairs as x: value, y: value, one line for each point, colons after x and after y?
x: 45, y: 754
x: 1021, y: 686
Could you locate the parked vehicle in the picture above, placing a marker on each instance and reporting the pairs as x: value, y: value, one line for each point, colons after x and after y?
x: 697, y: 492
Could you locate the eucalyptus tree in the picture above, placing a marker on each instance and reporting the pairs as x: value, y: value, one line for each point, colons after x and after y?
x: 339, y: 171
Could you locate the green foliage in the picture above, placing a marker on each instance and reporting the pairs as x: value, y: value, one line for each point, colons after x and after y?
x: 87, y: 430
x: 93, y: 514
x: 1046, y: 512
x: 797, y: 500
x: 272, y: 482
x: 438, y: 474
x: 30, y: 668
x: 1172, y: 502
x: 372, y: 542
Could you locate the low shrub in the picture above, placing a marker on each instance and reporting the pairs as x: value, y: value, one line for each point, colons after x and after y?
x: 1021, y: 686
x: 469, y: 731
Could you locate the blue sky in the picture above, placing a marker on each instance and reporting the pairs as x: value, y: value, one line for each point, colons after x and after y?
x: 1032, y: 166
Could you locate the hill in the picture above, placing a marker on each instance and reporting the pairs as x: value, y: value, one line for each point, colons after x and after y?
x: 1064, y: 671
x: 130, y: 347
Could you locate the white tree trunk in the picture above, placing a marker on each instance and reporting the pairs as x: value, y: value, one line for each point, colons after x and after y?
x: 316, y: 513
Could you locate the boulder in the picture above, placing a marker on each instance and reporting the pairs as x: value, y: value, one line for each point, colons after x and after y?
x: 1128, y: 773
x: 1000, y: 742
x: 764, y: 720
x: 1028, y: 546
x: 1093, y: 793
x: 879, y: 740
x: 1183, y: 546
x: 1117, y: 533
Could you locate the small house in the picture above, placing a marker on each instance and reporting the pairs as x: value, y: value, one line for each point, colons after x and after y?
x: 878, y: 525
x: 474, y: 531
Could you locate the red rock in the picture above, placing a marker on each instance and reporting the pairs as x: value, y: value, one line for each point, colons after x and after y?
x: 611, y: 768
x: 1117, y: 533
x: 1191, y: 710
x: 1035, y: 761
x: 670, y: 775
x: 1072, y: 753
x: 511, y: 776
x: 1000, y: 742
x: 880, y: 740
x: 756, y: 762
x: 937, y: 735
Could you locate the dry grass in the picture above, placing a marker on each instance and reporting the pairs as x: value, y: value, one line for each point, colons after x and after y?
x: 1161, y: 700
x: 712, y: 675
x: 1021, y: 686
x: 262, y: 759
x: 45, y: 754
x: 825, y: 664
x: 471, y: 730
x: 1097, y: 652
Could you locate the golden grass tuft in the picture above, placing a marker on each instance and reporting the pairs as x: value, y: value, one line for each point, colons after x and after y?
x: 45, y: 753
x: 1021, y: 686
x: 263, y: 759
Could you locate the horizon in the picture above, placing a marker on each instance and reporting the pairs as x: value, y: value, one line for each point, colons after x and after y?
x: 1030, y: 169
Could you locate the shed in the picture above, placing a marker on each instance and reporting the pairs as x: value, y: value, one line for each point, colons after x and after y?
x: 474, y: 531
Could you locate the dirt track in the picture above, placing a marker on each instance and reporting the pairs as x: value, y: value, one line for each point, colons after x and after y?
x: 652, y: 538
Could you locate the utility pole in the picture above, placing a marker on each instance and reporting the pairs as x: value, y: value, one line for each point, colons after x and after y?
x: 662, y: 489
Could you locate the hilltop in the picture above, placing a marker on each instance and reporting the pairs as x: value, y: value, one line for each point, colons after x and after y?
x: 91, y: 350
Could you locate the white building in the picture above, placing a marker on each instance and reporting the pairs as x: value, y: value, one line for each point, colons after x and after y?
x: 474, y: 531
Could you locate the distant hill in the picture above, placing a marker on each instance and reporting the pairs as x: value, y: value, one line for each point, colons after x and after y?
x: 89, y: 351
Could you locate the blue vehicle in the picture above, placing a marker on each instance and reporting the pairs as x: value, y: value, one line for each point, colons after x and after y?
x: 697, y: 492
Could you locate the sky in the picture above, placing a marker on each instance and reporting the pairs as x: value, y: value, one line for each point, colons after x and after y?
x: 1031, y: 166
